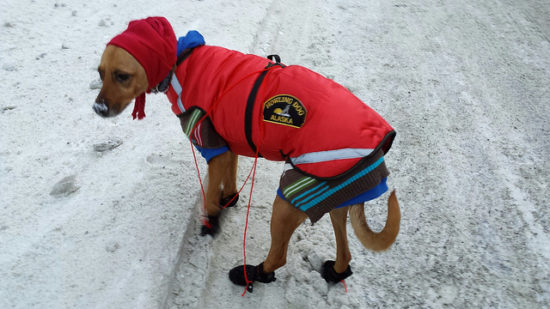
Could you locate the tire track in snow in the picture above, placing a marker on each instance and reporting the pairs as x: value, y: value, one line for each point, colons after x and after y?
x: 189, y: 246
x: 262, y: 26
x: 469, y: 173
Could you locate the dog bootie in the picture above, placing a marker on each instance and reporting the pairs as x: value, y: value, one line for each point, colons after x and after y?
x: 212, y: 227
x: 253, y: 273
x: 331, y: 276
x: 232, y: 198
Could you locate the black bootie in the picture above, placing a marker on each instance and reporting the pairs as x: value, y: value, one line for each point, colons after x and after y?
x: 331, y: 276
x: 253, y: 273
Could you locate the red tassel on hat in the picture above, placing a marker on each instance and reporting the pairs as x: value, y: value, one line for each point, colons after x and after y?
x: 139, y: 107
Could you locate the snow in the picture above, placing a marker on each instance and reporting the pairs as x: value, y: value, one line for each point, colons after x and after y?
x: 98, y: 213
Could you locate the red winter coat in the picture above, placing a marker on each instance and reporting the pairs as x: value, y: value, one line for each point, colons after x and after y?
x: 297, y: 116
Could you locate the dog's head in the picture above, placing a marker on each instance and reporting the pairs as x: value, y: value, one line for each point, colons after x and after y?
x: 134, y: 62
x: 123, y: 77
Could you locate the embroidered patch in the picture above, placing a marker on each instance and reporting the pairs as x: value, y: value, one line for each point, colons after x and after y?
x: 286, y: 110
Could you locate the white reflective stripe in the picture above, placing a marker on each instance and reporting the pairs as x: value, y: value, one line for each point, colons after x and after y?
x: 330, y: 155
x: 176, y: 84
x: 177, y: 88
x: 197, y: 134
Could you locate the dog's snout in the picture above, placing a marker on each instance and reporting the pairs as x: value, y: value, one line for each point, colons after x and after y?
x: 101, y: 108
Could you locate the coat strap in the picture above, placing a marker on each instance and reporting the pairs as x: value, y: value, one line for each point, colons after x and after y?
x: 252, y: 98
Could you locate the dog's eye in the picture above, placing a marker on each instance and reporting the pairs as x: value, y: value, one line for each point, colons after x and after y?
x: 122, y: 77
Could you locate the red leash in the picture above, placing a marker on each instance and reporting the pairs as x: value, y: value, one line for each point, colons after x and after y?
x: 261, y: 131
x: 207, y: 223
x: 204, y: 221
x: 345, y: 286
x: 248, y: 282
x: 252, y: 171
x: 207, y: 114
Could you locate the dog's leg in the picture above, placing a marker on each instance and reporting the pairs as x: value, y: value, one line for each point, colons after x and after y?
x: 335, y: 271
x: 230, y: 182
x: 217, y: 168
x: 284, y: 220
x: 339, y: 218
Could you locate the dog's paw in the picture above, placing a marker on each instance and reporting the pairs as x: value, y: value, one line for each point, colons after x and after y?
x: 331, y: 276
x: 211, y: 226
x: 229, y: 201
x: 253, y: 273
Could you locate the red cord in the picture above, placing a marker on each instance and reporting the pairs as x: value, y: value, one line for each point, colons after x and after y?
x: 204, y: 220
x: 208, y: 113
x: 252, y: 171
x: 261, y: 133
x: 207, y: 223
x: 248, y: 282
x: 345, y: 286
x: 239, y: 192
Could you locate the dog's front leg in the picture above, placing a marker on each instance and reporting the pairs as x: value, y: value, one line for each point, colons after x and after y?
x: 221, y: 169
x: 229, y: 195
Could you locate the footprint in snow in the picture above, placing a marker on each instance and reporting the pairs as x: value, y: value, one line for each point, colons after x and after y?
x: 65, y: 187
x: 108, y: 145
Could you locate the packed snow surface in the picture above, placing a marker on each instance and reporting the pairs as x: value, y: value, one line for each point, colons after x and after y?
x: 104, y: 213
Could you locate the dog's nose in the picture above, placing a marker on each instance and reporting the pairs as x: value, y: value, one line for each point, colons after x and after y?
x: 101, y: 109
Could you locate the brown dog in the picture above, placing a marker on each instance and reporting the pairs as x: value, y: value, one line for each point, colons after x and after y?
x: 125, y: 78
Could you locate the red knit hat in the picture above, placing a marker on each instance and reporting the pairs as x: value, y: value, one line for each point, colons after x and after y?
x: 154, y: 45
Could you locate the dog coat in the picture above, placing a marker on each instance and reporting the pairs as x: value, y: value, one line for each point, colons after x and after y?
x: 333, y: 143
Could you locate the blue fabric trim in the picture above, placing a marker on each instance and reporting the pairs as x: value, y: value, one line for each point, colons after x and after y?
x: 209, y: 153
x: 308, y: 192
x: 326, y: 187
x: 372, y: 194
x: 192, y: 39
x: 280, y: 194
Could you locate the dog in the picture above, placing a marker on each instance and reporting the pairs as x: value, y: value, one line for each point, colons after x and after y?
x: 232, y: 104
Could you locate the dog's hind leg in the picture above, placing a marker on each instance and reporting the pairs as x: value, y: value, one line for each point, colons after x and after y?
x: 284, y: 220
x: 336, y: 271
x: 339, y: 217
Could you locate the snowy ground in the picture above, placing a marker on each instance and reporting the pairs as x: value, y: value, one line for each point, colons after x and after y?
x: 466, y: 85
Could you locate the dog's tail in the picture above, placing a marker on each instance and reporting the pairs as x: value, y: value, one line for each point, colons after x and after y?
x: 371, y: 240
